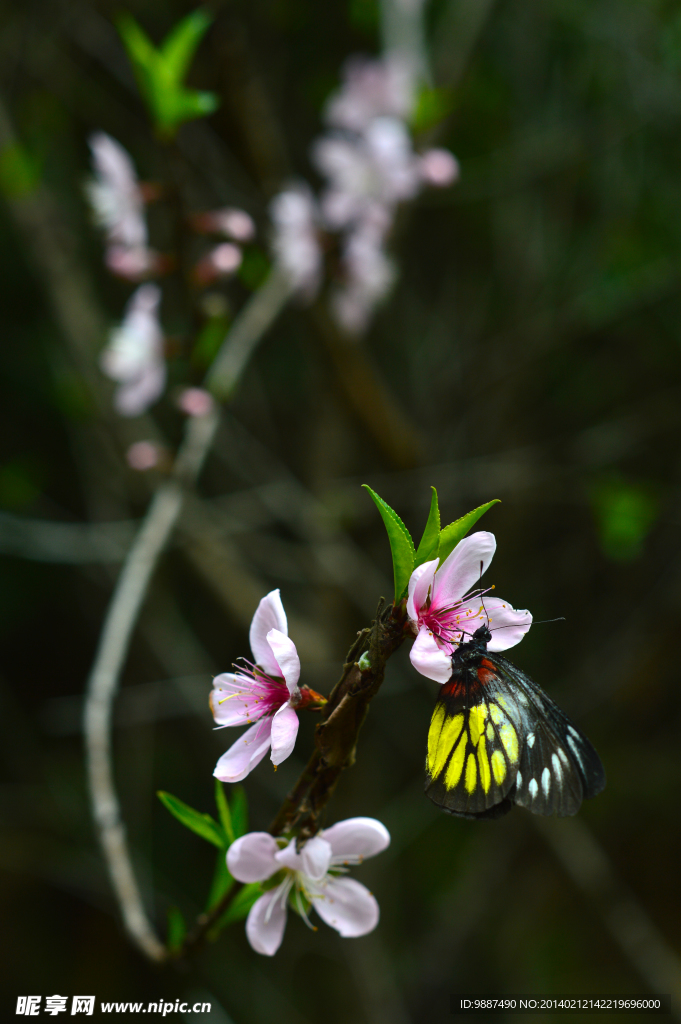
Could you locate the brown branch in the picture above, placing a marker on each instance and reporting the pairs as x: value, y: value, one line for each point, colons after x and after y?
x: 342, y: 718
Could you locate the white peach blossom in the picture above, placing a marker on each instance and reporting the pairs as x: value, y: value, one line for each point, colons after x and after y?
x: 312, y: 877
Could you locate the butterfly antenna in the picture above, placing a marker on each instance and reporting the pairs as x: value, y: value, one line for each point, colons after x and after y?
x: 537, y: 622
x: 482, y: 599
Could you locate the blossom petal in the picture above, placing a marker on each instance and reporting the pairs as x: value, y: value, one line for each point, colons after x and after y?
x: 460, y: 571
x: 248, y: 751
x: 312, y: 861
x: 429, y: 659
x: 266, y: 923
x: 284, y: 732
x: 356, y: 838
x: 252, y: 857
x: 316, y: 856
x: 508, y: 625
x: 232, y: 701
x: 347, y: 906
x: 419, y: 584
x: 134, y: 397
x: 269, y: 615
x: 286, y: 657
x: 290, y: 858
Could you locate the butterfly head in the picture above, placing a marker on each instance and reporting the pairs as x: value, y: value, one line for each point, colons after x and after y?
x: 474, y: 647
x: 482, y: 635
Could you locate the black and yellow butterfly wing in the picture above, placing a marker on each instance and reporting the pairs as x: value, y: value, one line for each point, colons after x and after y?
x: 496, y: 739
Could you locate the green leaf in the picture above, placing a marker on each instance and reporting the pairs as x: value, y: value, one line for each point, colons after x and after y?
x: 401, y: 544
x: 141, y: 50
x: 223, y: 811
x: 177, y: 929
x: 159, y: 72
x: 239, y: 907
x: 202, y: 824
x: 452, y: 534
x: 143, y: 56
x: 222, y: 881
x: 430, y: 542
x: 181, y: 43
x: 239, y: 812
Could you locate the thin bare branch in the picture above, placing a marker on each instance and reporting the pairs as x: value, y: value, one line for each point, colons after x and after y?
x: 129, y: 594
x: 248, y: 328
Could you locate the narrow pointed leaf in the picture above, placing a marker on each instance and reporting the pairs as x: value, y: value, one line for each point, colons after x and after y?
x: 222, y: 881
x: 401, y: 544
x: 180, y: 104
x: 430, y: 542
x: 202, y: 824
x: 143, y: 56
x: 159, y: 72
x: 239, y: 812
x: 223, y: 811
x: 141, y: 50
x: 239, y: 907
x: 456, y: 531
x: 181, y: 43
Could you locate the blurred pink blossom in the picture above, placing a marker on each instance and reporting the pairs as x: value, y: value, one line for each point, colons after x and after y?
x: 195, y: 402
x: 439, y: 167
x: 233, y: 223
x: 222, y: 261
x: 295, y: 219
x: 134, y: 355
x: 132, y: 264
x: 143, y: 455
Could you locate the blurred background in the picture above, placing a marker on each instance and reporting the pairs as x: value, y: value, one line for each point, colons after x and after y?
x: 530, y: 351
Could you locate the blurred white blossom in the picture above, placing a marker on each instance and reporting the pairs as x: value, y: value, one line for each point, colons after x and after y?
x: 371, y: 89
x: 134, y: 355
x: 369, y: 272
x: 296, y: 220
x: 118, y: 206
x: 370, y: 166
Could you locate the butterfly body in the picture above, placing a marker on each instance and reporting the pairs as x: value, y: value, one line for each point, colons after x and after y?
x: 496, y: 739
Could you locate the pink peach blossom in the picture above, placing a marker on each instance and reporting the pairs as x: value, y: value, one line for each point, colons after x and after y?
x: 446, y: 605
x: 263, y: 695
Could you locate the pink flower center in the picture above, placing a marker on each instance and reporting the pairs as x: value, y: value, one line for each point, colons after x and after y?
x: 450, y: 626
x: 265, y: 692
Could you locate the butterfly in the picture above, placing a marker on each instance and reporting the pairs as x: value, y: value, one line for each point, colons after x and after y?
x: 496, y: 739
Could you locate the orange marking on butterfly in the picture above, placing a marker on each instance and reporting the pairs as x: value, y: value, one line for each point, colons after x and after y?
x: 486, y: 672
